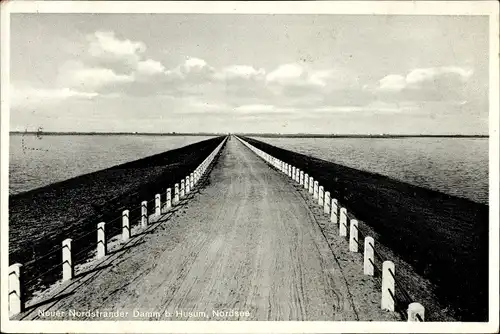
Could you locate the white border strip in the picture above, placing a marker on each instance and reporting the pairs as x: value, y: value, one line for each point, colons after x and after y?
x: 303, y: 7
x: 259, y: 7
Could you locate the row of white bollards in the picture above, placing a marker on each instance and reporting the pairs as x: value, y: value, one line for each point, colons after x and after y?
x: 338, y: 215
x: 16, y: 288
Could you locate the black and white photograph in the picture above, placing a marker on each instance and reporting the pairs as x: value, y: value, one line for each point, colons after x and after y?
x: 239, y: 167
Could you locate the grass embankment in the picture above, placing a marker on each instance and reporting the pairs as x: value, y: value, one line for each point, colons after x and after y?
x: 40, y: 219
x: 444, y: 238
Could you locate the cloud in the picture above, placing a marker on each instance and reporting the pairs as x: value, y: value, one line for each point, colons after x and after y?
x: 77, y: 75
x: 194, y: 69
x: 150, y: 67
x: 426, y: 84
x: 290, y: 75
x: 31, y: 97
x: 241, y: 72
x: 392, y: 83
x: 262, y: 108
x: 424, y: 75
x: 107, y: 50
x: 117, y: 66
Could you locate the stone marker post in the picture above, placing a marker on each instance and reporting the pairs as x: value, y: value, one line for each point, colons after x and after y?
x: 353, y: 236
x: 16, y: 293
x: 169, y: 198
x: 369, y: 258
x: 334, y: 211
x: 144, y: 214
x: 67, y: 259
x: 343, y: 222
x: 416, y: 312
x: 125, y: 226
x: 388, y: 292
x: 326, y: 208
x: 101, y: 240
x: 183, y: 191
x: 157, y: 205
x: 321, y: 192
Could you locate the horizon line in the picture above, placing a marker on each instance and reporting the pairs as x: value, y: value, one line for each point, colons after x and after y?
x: 173, y: 133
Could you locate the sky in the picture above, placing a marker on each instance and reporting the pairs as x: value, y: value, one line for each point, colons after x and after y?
x: 336, y: 74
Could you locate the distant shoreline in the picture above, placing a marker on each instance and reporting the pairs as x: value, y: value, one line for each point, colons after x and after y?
x: 268, y: 135
x: 42, y: 133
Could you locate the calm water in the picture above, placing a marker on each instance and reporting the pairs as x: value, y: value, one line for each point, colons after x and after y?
x: 37, y: 162
x: 456, y: 166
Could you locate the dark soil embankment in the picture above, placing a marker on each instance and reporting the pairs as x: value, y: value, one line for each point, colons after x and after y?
x: 444, y: 238
x: 40, y: 219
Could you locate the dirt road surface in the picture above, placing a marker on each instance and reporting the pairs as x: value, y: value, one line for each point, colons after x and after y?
x: 245, y: 246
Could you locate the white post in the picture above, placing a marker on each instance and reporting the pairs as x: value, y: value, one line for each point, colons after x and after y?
x: 316, y: 190
x: 191, y: 181
x: 293, y: 172
x: 416, y: 312
x: 353, y: 236
x: 335, y: 210
x: 343, y: 222
x: 369, y: 258
x: 306, y: 181
x: 290, y: 170
x: 16, y: 297
x: 169, y: 198
x: 297, y: 175
x: 176, y: 193
x: 327, y: 201
x: 311, y: 185
x: 157, y: 205
x: 186, y: 184
x: 101, y: 240
x: 125, y: 226
x: 183, y: 191
x: 388, y: 292
x: 144, y: 214
x: 67, y: 259
x: 301, y: 180
x: 320, y: 195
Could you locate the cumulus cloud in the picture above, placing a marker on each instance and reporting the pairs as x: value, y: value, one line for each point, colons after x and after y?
x: 150, y: 67
x: 117, y: 66
x: 305, y: 86
x: 107, y: 50
x: 241, y: 72
x: 194, y: 68
x: 90, y: 79
x: 434, y: 83
x: 392, y: 83
x: 288, y: 75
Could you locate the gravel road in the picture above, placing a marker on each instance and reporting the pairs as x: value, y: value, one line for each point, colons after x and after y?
x: 245, y: 246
